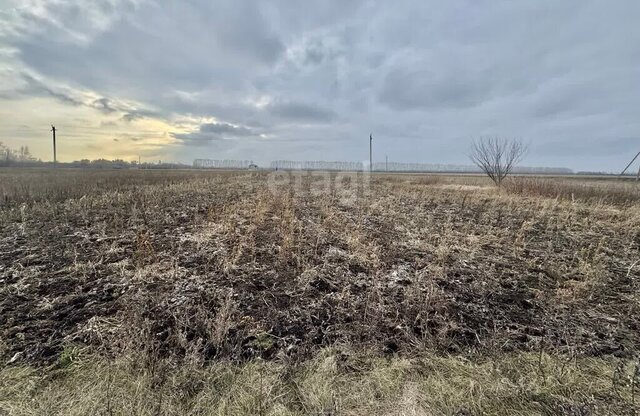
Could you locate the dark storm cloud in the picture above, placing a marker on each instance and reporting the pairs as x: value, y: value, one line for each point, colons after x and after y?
x: 427, y: 76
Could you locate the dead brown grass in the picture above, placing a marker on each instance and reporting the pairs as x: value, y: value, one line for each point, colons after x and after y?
x: 604, y: 191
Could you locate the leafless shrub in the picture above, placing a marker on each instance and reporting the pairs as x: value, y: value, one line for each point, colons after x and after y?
x: 497, y: 157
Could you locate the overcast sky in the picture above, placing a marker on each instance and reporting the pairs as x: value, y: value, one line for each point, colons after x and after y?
x: 309, y: 80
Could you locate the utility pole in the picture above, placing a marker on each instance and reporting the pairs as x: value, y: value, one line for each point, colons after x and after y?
x: 53, y: 130
x: 386, y: 163
x: 371, y: 152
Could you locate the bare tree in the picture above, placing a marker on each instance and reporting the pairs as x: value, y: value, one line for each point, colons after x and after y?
x: 497, y: 157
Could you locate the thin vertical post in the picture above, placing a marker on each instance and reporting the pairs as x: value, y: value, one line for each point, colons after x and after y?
x: 53, y: 130
x: 371, y: 152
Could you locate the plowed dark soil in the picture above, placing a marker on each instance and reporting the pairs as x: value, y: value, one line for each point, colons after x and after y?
x: 219, y: 266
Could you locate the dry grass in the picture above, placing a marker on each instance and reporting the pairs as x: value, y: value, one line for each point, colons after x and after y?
x: 604, y: 191
x: 39, y: 185
x: 334, y: 382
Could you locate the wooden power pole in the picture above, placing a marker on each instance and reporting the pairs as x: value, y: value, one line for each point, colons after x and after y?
x: 53, y: 130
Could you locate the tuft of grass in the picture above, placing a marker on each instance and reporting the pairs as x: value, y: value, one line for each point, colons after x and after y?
x: 68, y: 356
x: 334, y: 382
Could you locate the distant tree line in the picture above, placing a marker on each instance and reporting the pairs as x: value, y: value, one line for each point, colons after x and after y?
x: 10, y: 156
x: 22, y: 157
x: 122, y: 164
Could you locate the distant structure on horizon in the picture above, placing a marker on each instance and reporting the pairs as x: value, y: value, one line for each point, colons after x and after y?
x: 404, y: 167
x: 223, y: 164
x: 317, y: 165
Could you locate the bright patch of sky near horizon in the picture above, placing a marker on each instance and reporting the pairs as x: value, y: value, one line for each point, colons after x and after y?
x: 309, y: 80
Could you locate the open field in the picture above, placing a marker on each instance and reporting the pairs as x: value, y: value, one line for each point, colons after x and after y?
x: 174, y: 292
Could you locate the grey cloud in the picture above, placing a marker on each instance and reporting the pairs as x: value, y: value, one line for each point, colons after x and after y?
x: 132, y: 115
x: 62, y: 97
x: 299, y: 111
x: 132, y: 137
x: 80, y: 19
x: 582, y: 148
x: 198, y: 139
x: 409, y: 89
x: 177, y: 41
x: 314, y: 53
x: 213, y: 132
x: 255, y: 37
x: 226, y: 129
x: 37, y: 87
x: 104, y: 105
